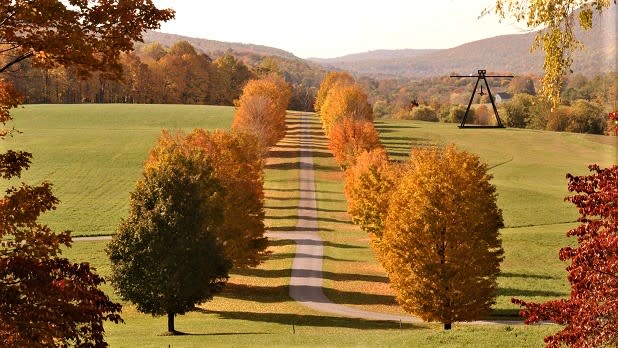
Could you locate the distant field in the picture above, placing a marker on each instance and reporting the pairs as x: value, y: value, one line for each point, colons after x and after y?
x: 93, y: 154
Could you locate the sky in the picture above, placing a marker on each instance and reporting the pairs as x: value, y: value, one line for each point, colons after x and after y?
x: 333, y: 28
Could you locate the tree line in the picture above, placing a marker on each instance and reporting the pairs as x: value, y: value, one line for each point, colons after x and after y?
x: 154, y: 74
x: 433, y: 223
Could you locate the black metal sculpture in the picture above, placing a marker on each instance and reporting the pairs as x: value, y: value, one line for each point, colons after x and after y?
x: 482, y: 75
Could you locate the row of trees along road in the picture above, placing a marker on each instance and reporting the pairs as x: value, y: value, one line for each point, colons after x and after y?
x: 198, y: 211
x: 46, y: 299
x: 433, y: 222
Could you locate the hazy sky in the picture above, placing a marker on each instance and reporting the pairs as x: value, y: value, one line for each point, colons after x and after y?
x: 332, y: 28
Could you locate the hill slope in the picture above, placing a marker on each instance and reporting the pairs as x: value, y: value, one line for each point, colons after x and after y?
x: 216, y: 48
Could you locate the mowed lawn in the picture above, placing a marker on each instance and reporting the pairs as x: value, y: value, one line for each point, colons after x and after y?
x: 255, y: 309
x: 93, y: 154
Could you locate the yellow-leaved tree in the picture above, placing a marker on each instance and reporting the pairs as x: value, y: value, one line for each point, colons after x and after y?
x: 345, y: 101
x: 369, y: 185
x: 331, y: 80
x: 441, y: 246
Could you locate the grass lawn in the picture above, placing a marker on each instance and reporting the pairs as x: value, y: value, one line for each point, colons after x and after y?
x: 93, y: 154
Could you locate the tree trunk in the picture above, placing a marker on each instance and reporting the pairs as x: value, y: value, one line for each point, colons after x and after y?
x: 447, y: 326
x: 170, y: 322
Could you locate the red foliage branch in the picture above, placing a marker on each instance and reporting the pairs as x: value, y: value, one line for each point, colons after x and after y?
x: 590, y: 314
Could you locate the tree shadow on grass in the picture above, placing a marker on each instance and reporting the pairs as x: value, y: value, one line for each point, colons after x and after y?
x: 511, y: 292
x: 301, y: 217
x: 383, y: 125
x: 398, y: 154
x: 299, y: 190
x: 504, y: 313
x: 289, y: 207
x: 284, y: 165
x: 282, y: 199
x: 280, y: 293
x: 298, y: 229
x: 283, y: 153
x: 285, y: 273
x: 323, y: 168
x: 523, y: 275
x: 300, y: 321
x: 281, y: 256
x: 287, y: 241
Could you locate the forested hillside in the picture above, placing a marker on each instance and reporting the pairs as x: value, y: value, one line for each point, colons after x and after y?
x: 177, y: 74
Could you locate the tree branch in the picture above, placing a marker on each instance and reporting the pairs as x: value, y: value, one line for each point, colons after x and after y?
x: 606, y: 273
x: 17, y: 60
x: 7, y: 18
x: 8, y: 49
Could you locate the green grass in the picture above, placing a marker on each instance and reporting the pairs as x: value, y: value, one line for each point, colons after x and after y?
x: 529, y: 167
x: 93, y: 154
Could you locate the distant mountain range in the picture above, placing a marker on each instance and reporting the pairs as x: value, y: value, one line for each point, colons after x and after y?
x: 506, y: 53
x: 502, y: 54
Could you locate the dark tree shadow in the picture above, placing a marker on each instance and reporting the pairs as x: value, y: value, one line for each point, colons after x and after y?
x: 383, y: 125
x: 285, y: 273
x: 282, y: 199
x: 287, y: 207
x: 280, y: 256
x: 298, y: 229
x: 276, y: 294
x: 300, y: 321
x: 523, y: 275
x: 283, y: 165
x: 510, y: 292
x: 301, y: 217
x: 283, y: 153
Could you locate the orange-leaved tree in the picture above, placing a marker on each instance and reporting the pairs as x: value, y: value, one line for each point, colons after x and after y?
x: 236, y: 159
x: 238, y: 164
x: 349, y: 138
x: 262, y: 107
x: 369, y: 185
x: 345, y: 101
x: 589, y: 316
x: 441, y: 246
x: 331, y: 80
x: 46, y: 299
x: 86, y: 35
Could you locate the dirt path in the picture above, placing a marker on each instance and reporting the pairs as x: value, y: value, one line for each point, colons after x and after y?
x: 306, y: 280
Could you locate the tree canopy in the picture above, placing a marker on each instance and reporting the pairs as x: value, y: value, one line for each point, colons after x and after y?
x: 261, y: 109
x: 558, y: 19
x: 237, y: 163
x: 165, y: 255
x: 87, y: 35
x: 440, y: 246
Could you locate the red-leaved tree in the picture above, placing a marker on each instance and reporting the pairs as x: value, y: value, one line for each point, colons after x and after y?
x: 590, y: 314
